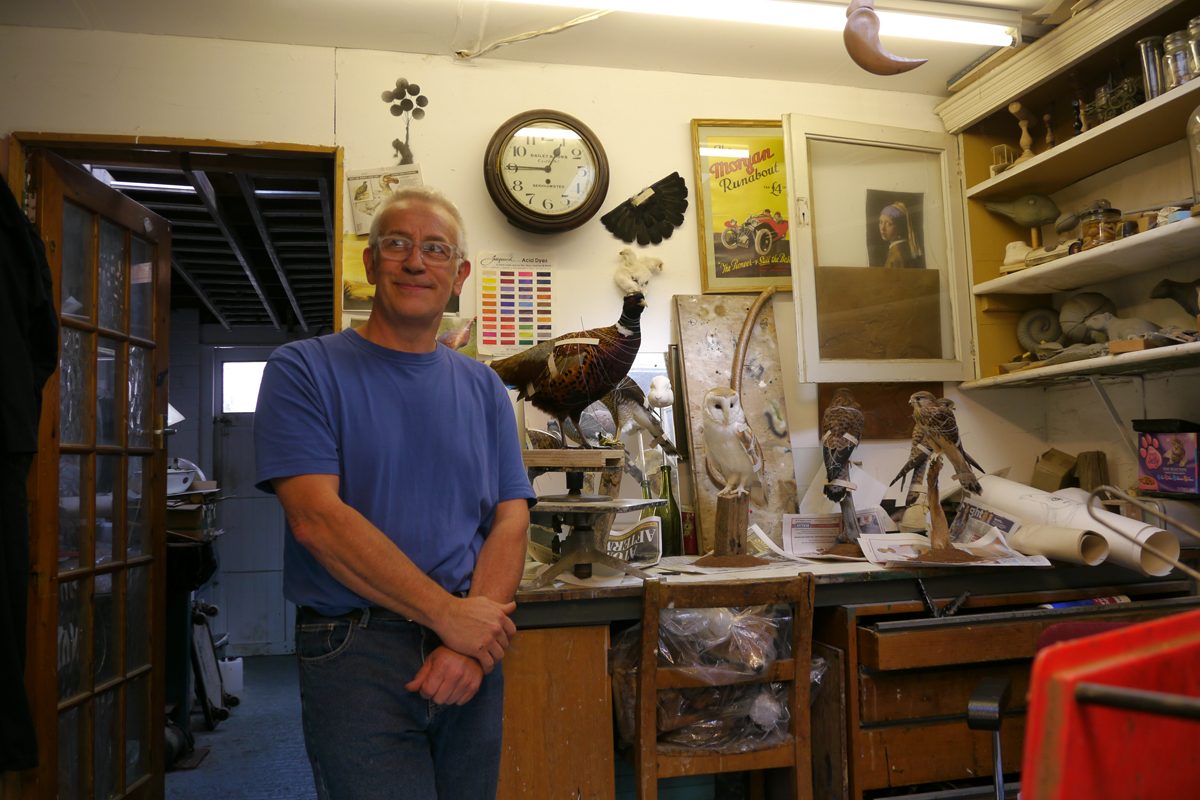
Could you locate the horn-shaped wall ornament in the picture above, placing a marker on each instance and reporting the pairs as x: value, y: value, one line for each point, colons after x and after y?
x: 861, y: 36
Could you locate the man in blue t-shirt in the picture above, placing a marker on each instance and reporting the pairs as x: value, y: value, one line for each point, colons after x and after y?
x: 398, y: 465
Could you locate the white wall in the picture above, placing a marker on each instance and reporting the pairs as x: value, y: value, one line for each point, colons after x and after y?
x: 106, y: 83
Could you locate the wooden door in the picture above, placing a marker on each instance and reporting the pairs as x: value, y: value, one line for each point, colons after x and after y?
x: 98, y: 492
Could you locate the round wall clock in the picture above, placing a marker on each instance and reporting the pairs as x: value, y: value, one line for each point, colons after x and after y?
x: 546, y: 171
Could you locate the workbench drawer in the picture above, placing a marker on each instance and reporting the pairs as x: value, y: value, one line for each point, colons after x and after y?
x: 931, y: 694
x: 981, y: 638
x: 940, y: 751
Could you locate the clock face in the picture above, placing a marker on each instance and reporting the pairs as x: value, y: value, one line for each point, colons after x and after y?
x: 546, y: 171
x: 548, y: 168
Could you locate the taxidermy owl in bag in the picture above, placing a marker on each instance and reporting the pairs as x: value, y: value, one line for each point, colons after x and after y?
x: 566, y: 374
x: 731, y: 447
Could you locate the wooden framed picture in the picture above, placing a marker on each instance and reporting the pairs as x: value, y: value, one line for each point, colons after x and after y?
x: 742, y: 205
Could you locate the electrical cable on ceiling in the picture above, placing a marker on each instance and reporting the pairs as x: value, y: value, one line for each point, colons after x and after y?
x: 521, y: 37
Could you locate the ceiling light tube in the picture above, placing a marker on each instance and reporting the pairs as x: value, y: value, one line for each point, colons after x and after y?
x: 939, y: 22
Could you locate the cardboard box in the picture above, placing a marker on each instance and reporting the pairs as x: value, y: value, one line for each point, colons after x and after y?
x: 192, y: 516
x: 1053, y: 470
x: 1167, y: 457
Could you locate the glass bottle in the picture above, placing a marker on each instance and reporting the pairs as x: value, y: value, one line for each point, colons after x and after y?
x: 672, y: 528
x: 1193, y: 43
x: 1193, y: 140
x: 1150, y: 53
x: 1176, y: 71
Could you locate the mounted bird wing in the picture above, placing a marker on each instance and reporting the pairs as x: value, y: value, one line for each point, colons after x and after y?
x: 652, y: 214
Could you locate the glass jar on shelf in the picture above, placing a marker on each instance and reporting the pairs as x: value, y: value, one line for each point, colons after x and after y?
x: 1099, y: 226
x: 1176, y: 69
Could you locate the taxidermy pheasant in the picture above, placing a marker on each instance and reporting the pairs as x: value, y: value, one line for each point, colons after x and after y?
x: 652, y: 214
x: 841, y: 430
x: 564, y: 375
x: 937, y: 430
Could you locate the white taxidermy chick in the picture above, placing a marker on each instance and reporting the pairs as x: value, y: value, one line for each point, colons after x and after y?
x: 731, y: 446
x: 634, y: 272
x: 661, y: 392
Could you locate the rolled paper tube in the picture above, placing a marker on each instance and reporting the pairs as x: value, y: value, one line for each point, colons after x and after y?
x: 1030, y: 505
x: 1062, y: 544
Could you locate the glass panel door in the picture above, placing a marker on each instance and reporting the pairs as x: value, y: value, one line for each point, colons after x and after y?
x: 879, y: 256
x: 103, y: 495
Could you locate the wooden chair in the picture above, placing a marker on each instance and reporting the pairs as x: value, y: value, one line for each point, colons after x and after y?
x: 652, y: 760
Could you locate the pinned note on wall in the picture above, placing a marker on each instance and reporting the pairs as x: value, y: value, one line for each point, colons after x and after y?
x: 516, y: 301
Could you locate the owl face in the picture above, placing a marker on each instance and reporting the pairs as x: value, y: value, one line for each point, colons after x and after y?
x: 722, y: 405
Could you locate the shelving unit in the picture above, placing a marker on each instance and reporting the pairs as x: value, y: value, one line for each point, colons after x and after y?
x: 1067, y: 63
x: 1140, y: 130
x: 1141, y: 362
x: 1147, y: 251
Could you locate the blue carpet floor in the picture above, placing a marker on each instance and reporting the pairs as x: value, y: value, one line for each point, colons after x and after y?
x: 258, y: 752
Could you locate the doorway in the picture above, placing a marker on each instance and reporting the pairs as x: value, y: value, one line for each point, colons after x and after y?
x: 100, y: 717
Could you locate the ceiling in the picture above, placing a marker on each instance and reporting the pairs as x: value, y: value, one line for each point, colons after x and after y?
x: 251, y: 230
x: 443, y: 27
x: 252, y: 234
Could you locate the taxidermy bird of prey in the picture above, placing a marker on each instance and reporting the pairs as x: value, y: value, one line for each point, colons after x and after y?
x: 841, y: 430
x: 566, y: 374
x: 652, y: 214
x: 731, y: 446
x: 1186, y: 293
x: 937, y: 429
x: 628, y: 403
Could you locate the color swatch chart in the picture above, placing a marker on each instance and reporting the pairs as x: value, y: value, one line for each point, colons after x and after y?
x: 515, y: 302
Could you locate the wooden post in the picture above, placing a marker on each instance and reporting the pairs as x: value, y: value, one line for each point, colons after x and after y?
x: 733, y: 518
x: 939, y: 530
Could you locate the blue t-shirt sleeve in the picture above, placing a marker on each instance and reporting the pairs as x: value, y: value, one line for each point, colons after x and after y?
x: 292, y: 429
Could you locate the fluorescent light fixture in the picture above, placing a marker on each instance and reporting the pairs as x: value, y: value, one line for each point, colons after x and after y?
x: 173, y: 188
x: 939, y: 22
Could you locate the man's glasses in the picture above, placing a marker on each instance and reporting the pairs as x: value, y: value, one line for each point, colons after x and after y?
x: 432, y: 252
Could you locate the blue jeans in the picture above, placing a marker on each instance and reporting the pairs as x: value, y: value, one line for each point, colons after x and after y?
x: 368, y: 737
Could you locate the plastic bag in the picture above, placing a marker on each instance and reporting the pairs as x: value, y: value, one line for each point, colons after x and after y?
x: 713, y: 646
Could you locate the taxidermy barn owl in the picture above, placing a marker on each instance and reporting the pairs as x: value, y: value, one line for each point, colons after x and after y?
x: 732, y: 449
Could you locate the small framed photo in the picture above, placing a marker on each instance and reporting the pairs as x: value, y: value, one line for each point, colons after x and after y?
x: 742, y: 205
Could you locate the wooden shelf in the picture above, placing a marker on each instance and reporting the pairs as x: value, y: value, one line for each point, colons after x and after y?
x: 1140, y: 130
x: 1141, y: 362
x: 1160, y: 247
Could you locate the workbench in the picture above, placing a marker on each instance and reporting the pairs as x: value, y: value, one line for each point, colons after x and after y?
x: 892, y: 712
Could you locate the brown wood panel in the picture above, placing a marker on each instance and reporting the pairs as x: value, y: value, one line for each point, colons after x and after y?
x: 676, y: 763
x: 886, y: 413
x: 928, y: 693
x: 694, y: 677
x: 913, y: 754
x: 558, y: 737
x: 830, y: 773
x: 891, y: 313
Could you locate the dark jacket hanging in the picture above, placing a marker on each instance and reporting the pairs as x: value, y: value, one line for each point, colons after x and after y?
x: 28, y: 356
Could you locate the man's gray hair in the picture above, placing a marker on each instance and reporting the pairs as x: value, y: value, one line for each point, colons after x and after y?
x: 427, y: 196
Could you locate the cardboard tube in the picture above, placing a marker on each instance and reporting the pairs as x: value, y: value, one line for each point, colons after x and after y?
x: 1035, y: 506
x: 1063, y: 544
